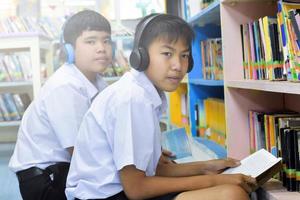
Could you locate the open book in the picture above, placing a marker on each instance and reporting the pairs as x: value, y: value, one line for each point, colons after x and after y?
x: 261, y: 165
x: 185, y: 148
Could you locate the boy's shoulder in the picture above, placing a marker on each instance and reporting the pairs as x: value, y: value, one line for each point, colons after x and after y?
x: 123, y: 91
x: 63, y: 78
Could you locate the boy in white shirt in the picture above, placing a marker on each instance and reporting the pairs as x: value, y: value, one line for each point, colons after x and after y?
x: 50, y: 125
x: 118, y: 146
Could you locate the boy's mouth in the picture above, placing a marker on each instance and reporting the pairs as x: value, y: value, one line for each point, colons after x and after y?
x: 174, y: 79
x: 101, y: 59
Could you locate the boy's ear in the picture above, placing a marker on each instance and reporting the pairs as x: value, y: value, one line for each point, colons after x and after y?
x: 191, y: 61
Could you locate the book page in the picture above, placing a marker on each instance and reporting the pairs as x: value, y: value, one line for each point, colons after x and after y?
x: 255, y: 164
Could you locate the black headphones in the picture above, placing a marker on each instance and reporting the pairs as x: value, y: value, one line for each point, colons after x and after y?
x: 139, y: 57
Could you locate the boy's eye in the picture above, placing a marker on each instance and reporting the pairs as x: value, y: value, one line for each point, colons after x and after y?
x: 90, y: 42
x: 168, y: 54
x: 107, y: 41
x: 185, y: 56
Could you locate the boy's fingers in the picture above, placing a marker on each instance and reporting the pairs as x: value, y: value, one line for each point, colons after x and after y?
x: 247, y: 188
x: 167, y: 153
x: 230, y: 162
x: 251, y: 180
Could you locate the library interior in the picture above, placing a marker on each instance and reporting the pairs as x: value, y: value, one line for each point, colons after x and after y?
x: 241, y: 99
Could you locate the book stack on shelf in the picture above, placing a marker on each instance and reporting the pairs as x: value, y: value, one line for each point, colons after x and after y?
x: 15, y: 25
x: 212, y: 64
x: 210, y: 120
x: 178, y: 111
x: 278, y: 132
x: 15, y: 67
x: 288, y: 22
x: 271, y: 45
x: 13, y: 106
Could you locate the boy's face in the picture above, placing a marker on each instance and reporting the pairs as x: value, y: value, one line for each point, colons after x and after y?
x: 168, y: 63
x: 93, y: 52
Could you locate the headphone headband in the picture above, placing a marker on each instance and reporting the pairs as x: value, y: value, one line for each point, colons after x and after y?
x: 142, y: 28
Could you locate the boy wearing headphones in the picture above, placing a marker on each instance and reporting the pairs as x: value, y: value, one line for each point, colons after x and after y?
x: 50, y: 125
x: 118, y: 147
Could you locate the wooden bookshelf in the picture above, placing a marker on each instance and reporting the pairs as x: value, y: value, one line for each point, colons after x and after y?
x: 34, y: 43
x: 38, y: 46
x: 244, y: 95
x: 206, y: 25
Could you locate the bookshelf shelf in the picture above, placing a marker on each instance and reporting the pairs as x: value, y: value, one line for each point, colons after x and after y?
x: 209, y: 15
x: 15, y: 84
x: 268, y: 86
x: 35, y: 48
x: 206, y: 82
x: 10, y: 123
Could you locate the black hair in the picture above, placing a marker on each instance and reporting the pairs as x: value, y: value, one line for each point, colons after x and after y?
x: 165, y: 26
x: 86, y: 20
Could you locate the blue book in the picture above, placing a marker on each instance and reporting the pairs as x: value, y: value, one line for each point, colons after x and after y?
x: 177, y: 142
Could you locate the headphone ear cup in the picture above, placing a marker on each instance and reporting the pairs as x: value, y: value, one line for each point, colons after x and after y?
x: 70, y: 55
x: 135, y: 59
x: 144, y: 59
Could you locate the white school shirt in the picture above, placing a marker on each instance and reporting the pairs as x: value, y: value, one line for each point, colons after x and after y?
x: 51, y: 122
x: 121, y: 128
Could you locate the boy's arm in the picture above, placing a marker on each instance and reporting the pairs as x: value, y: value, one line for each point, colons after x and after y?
x: 139, y: 186
x: 195, y: 168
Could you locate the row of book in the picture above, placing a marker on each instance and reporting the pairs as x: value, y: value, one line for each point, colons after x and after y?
x: 279, y: 133
x: 271, y: 45
x: 44, y: 26
x: 50, y: 27
x: 212, y: 61
x: 15, y: 67
x: 210, y: 119
x: 13, y: 106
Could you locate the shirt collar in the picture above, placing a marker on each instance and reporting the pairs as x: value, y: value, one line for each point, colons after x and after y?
x: 91, y: 89
x: 158, y: 97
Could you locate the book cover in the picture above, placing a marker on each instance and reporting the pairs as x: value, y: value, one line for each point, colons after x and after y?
x: 187, y: 149
x: 261, y: 165
x: 177, y: 142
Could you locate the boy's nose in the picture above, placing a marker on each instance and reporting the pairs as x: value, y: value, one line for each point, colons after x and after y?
x: 100, y: 47
x: 176, y: 64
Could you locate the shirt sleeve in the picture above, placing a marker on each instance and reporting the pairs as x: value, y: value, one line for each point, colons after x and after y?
x: 65, y: 108
x: 133, y: 135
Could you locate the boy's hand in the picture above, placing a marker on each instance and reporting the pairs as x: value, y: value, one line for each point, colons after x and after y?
x: 248, y: 183
x: 219, y: 165
x: 166, y: 156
